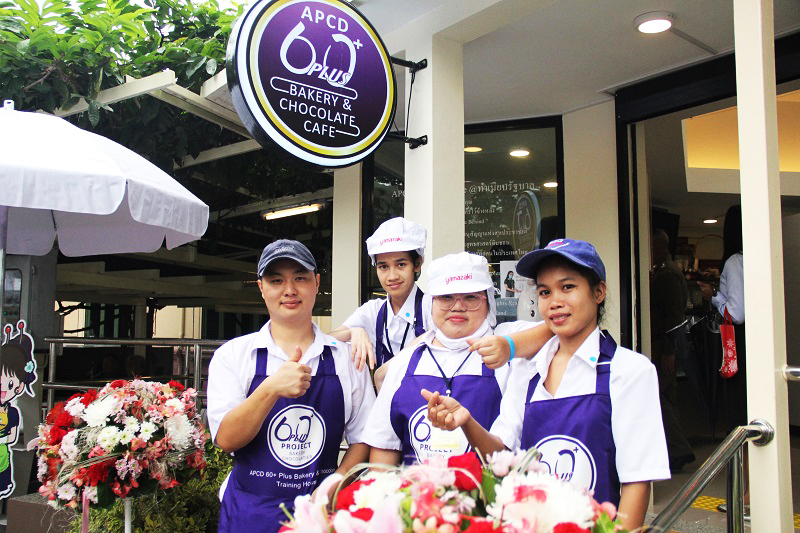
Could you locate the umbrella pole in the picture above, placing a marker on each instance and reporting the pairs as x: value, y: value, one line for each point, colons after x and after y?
x: 3, y: 240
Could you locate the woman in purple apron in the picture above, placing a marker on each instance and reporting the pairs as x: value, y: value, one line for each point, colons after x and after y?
x: 589, y: 407
x: 398, y: 429
x: 381, y: 328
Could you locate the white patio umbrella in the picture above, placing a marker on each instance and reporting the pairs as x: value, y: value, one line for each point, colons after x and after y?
x: 97, y: 196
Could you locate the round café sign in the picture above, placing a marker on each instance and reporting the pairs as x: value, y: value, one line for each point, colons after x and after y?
x: 314, y: 77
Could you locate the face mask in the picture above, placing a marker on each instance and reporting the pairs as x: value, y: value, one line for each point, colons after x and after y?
x: 461, y: 344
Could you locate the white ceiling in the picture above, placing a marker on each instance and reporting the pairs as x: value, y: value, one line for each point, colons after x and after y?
x: 569, y: 53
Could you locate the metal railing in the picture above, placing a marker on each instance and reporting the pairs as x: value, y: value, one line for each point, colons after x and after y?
x: 196, y: 346
x: 728, y: 453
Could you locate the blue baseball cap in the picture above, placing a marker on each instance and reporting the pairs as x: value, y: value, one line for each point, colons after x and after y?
x: 286, y: 249
x: 579, y: 252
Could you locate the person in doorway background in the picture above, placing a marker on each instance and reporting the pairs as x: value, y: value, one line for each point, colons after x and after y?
x: 730, y: 296
x: 668, y: 298
x: 508, y: 285
x: 281, y: 399
x: 581, y: 395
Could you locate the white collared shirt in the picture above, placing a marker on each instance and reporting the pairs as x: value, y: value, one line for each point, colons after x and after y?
x: 635, y: 409
x: 380, y: 433
x: 234, y: 364
x: 366, y: 317
x: 731, y: 289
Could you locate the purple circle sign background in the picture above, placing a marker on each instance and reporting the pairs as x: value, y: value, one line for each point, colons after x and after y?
x: 315, y: 78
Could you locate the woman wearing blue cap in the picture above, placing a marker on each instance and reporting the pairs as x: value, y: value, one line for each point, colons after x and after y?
x: 590, y: 407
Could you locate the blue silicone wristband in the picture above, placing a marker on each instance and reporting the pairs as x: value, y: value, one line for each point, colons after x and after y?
x: 511, y: 344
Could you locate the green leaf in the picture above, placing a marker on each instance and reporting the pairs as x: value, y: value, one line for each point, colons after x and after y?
x: 211, y: 66
x: 11, y: 25
x: 23, y: 46
x: 94, y: 112
x: 61, y: 88
x: 195, y: 64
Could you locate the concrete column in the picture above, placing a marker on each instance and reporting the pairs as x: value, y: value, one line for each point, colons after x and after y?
x: 767, y: 397
x: 139, y: 328
x: 347, y: 244
x: 434, y: 174
x: 590, y: 189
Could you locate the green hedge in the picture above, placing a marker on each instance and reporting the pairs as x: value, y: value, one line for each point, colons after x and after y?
x: 190, y: 508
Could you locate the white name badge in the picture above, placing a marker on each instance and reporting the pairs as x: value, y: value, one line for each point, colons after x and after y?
x: 429, y: 442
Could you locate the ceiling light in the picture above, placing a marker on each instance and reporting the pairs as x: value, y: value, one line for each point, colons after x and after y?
x: 473, y: 149
x: 298, y: 210
x: 710, y: 221
x: 519, y: 153
x: 653, y: 22
x: 550, y: 184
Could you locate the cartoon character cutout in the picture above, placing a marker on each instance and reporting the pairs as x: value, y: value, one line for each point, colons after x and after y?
x: 17, y: 374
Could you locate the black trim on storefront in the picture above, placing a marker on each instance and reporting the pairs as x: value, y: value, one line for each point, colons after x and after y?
x: 692, y: 86
x: 367, y: 221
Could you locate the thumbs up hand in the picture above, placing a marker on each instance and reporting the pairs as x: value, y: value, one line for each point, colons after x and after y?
x: 292, y: 379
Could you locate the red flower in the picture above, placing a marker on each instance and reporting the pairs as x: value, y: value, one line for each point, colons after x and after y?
x: 55, y: 412
x: 344, y: 499
x: 56, y: 434
x: 363, y: 514
x: 569, y: 527
x: 177, y: 386
x: 98, y: 472
x: 480, y: 525
x: 117, y: 383
x: 469, y: 462
x: 89, y: 397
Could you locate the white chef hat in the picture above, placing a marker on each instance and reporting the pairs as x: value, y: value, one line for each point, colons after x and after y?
x: 458, y: 274
x: 397, y: 235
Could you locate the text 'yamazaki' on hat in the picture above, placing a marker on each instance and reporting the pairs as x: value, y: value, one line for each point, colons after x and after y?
x: 286, y: 249
x: 579, y: 252
x: 397, y: 235
x: 459, y: 273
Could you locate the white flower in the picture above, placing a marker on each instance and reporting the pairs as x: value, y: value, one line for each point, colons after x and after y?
x: 385, y: 484
x: 91, y: 494
x: 68, y: 450
x: 42, y: 470
x: 179, y: 430
x: 75, y: 407
x: 126, y: 435
x: 67, y: 492
x: 147, y: 430
x: 132, y: 424
x: 108, y: 438
x: 549, y: 502
x: 174, y: 406
x: 99, y: 411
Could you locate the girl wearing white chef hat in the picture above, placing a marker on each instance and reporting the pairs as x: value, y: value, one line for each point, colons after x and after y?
x: 380, y: 328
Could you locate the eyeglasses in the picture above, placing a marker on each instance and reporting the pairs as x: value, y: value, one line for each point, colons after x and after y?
x: 471, y: 302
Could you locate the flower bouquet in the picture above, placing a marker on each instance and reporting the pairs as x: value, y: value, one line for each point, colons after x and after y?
x: 128, y: 439
x: 511, y: 493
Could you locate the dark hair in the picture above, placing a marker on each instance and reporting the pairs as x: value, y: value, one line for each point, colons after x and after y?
x: 510, y: 273
x: 587, y: 273
x: 732, y: 233
x: 14, y: 360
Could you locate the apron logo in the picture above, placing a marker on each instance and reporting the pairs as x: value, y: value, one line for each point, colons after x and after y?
x: 296, y: 436
x: 429, y: 442
x: 569, y: 459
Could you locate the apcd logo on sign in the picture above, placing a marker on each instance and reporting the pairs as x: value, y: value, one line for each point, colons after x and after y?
x: 313, y: 77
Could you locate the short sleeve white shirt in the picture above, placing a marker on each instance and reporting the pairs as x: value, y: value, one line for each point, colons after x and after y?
x: 731, y: 289
x: 380, y: 433
x: 234, y: 364
x: 399, y: 325
x: 636, y: 423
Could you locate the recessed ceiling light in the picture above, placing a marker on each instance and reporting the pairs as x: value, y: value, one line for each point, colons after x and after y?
x: 291, y: 211
x: 519, y: 153
x: 472, y: 149
x: 710, y: 221
x: 653, y: 22
x: 550, y: 184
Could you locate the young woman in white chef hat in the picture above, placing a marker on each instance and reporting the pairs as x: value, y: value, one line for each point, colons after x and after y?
x: 463, y: 308
x: 380, y: 328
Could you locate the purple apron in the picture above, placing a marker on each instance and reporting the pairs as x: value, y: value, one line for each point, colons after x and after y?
x: 384, y: 352
x: 409, y: 410
x: 574, y: 434
x: 296, y: 447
